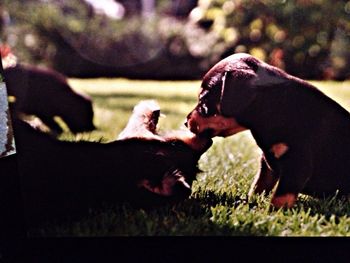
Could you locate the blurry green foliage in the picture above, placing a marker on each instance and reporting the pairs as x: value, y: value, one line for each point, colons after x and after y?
x: 44, y: 25
x: 308, y: 38
x: 69, y: 36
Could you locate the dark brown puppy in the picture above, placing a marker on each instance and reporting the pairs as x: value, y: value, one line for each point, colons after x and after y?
x: 46, y: 94
x: 66, y: 178
x: 304, y: 135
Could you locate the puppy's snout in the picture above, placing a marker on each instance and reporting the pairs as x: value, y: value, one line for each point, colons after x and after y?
x: 187, y: 119
x: 194, y: 127
x: 191, y: 124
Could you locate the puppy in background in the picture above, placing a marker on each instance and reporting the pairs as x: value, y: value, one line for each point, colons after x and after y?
x: 46, y: 94
x: 304, y: 135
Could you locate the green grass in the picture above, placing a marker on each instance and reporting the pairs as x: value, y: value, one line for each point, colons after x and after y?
x: 219, y: 204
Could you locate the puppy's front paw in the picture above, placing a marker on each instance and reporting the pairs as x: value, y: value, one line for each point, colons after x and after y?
x: 284, y: 201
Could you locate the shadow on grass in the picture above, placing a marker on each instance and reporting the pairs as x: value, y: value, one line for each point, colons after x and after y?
x: 191, y: 217
x: 328, y: 206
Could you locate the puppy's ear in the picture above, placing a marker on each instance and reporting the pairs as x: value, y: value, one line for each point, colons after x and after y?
x: 237, y: 92
x: 143, y: 122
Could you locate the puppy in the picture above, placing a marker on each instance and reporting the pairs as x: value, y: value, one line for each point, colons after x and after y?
x: 66, y: 178
x: 46, y: 94
x: 304, y: 135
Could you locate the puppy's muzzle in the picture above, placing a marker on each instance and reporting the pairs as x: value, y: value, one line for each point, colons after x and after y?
x: 216, y: 125
x: 191, y: 123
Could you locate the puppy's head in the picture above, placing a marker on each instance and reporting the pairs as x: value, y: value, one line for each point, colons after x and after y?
x: 168, y: 163
x: 77, y: 111
x: 228, y: 91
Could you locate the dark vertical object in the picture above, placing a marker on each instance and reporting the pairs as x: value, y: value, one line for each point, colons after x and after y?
x: 12, y: 224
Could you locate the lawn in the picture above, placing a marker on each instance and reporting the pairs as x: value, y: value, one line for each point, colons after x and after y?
x: 218, y: 204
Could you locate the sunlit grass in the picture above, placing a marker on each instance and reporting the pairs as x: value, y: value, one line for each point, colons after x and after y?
x: 219, y: 204
x: 114, y: 100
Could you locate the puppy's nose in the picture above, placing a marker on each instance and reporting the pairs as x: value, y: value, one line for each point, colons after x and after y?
x: 189, y: 121
x: 187, y: 118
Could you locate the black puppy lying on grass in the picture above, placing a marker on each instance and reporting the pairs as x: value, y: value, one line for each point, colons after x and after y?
x: 304, y: 135
x: 141, y: 167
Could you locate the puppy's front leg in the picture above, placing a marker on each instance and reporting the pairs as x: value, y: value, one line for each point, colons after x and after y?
x: 265, y: 180
x: 51, y: 123
x: 295, y: 168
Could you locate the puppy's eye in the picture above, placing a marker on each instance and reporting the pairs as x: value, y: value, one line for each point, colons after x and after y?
x: 203, y: 110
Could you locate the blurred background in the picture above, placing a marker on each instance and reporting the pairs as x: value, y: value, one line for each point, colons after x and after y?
x: 177, y: 39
